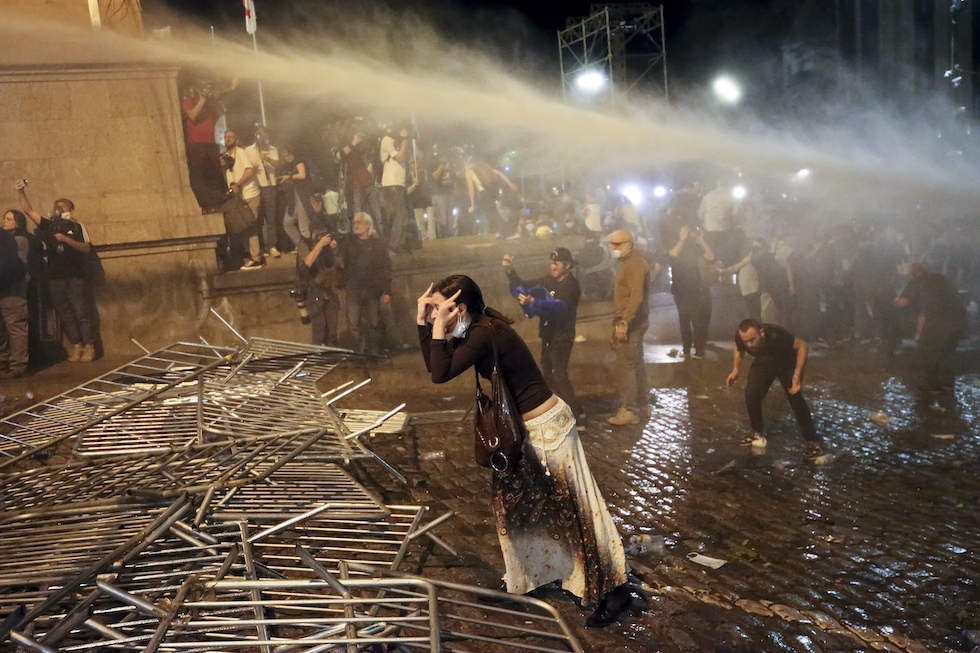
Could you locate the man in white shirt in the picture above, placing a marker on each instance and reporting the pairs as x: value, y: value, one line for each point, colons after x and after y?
x: 394, y: 156
x: 240, y: 175
x: 717, y: 214
x: 264, y: 158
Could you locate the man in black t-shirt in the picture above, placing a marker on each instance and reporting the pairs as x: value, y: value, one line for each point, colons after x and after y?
x: 66, y: 245
x: 777, y: 354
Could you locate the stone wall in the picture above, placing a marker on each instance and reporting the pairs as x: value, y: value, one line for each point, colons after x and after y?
x: 109, y: 137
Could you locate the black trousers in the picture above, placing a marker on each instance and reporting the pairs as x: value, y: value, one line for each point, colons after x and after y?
x: 694, y: 315
x: 761, y: 375
x: 555, y: 354
x: 206, y: 177
x: 936, y: 353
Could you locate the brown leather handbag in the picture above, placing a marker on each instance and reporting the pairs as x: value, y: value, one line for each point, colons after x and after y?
x: 499, y: 429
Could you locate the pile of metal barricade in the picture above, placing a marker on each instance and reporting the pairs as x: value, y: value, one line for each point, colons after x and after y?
x: 205, y: 498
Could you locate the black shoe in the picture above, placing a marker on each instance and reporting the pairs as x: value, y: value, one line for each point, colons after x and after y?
x: 625, y: 601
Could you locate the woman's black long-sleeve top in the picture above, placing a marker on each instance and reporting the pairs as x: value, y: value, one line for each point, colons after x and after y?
x: 447, y: 359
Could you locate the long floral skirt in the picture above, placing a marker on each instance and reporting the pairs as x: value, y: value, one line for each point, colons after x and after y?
x: 552, y: 522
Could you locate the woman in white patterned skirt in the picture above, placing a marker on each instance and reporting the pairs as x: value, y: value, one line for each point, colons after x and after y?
x: 552, y: 522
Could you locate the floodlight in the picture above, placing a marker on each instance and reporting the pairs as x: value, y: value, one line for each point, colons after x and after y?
x: 590, y: 81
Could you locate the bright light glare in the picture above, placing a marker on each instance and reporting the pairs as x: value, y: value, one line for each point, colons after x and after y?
x: 633, y: 194
x: 590, y: 81
x: 660, y: 191
x: 727, y: 89
x: 739, y: 192
x: 803, y: 173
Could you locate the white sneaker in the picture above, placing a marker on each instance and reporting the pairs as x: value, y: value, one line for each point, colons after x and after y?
x: 759, y: 442
x: 274, y: 252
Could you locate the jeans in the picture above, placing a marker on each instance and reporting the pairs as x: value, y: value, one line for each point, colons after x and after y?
x: 71, y: 305
x: 936, y: 352
x: 555, y: 353
x: 268, y: 213
x: 324, y: 309
x: 364, y: 317
x: 296, y: 222
x: 634, y: 388
x: 694, y: 315
x: 761, y: 375
x: 395, y: 215
x: 13, y: 337
x: 442, y: 215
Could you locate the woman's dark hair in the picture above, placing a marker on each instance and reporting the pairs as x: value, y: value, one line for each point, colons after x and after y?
x: 470, y: 295
x: 19, y: 217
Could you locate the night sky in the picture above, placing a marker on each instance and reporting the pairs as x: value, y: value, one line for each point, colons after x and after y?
x: 703, y: 36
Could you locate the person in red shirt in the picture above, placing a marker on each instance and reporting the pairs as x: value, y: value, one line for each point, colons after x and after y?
x: 200, y: 111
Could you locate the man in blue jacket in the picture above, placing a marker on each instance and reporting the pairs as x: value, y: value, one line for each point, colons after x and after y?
x: 554, y: 299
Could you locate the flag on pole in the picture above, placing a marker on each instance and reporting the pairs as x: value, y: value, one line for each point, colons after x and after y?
x: 249, y: 16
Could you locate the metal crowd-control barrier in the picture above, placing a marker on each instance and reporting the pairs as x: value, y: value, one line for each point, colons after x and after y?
x: 214, y: 611
x: 205, y: 507
x: 198, y: 468
x: 51, y: 422
x: 46, y: 555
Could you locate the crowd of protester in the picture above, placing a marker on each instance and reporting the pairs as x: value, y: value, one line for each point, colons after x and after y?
x: 51, y: 264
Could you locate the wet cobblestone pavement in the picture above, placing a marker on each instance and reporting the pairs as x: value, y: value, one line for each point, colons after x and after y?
x: 874, y: 551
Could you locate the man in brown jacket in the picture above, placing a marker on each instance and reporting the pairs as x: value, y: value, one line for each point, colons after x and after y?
x: 631, y: 296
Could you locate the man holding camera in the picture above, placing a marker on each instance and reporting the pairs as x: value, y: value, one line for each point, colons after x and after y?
x: 66, y: 244
x: 315, y: 268
x: 394, y: 156
x: 200, y: 112
x: 264, y: 158
x: 240, y: 175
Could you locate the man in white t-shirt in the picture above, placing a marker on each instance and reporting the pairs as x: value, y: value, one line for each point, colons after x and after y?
x: 394, y: 156
x: 717, y: 214
x: 240, y: 175
x: 264, y: 158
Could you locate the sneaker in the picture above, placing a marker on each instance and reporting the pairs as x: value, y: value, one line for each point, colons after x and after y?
x: 686, y: 353
x: 812, y: 450
x: 252, y: 264
x: 76, y: 354
x: 624, y: 417
x: 274, y: 252
x: 88, y: 354
x: 755, y: 440
x: 697, y: 355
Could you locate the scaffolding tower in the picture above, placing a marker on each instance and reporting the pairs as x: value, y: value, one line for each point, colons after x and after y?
x: 621, y: 42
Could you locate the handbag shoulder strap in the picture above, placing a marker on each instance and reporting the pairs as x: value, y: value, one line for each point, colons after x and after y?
x: 496, y: 357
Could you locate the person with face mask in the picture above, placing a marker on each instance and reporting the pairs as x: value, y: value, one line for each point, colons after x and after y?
x: 264, y: 158
x: 568, y: 538
x: 66, y: 243
x: 631, y: 297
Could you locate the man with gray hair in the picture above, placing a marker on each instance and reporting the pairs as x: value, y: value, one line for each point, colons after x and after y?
x: 367, y: 276
x: 631, y: 297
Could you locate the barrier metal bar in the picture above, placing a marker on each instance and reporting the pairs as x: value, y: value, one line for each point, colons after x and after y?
x: 505, y: 622
x: 230, y: 328
x: 49, y: 423
x: 119, y: 552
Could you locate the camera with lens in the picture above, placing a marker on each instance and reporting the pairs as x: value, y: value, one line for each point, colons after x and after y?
x: 299, y: 296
